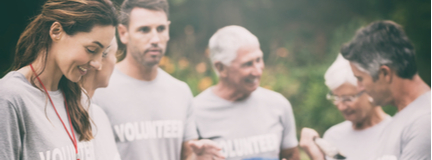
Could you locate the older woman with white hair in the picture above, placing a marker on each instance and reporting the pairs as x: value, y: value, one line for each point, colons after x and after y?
x: 357, y: 136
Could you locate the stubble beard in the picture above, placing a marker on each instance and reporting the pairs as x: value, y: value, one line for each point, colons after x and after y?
x: 141, y: 59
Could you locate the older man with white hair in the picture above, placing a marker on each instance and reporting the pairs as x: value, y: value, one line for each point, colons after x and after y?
x: 356, y: 137
x: 247, y: 121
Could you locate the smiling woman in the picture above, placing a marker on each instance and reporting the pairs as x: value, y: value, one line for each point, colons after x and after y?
x: 40, y: 99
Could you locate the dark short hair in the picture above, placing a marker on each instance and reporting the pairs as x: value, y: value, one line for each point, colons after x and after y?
x: 381, y: 43
x: 128, y: 5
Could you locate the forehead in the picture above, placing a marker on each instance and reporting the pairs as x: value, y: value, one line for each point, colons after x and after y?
x: 113, y: 45
x: 145, y: 17
x: 248, y: 52
x: 98, y: 34
x: 345, y: 89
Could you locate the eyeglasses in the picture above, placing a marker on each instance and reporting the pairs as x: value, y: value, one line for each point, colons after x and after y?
x: 344, y: 99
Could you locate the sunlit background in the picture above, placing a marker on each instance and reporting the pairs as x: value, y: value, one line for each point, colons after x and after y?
x: 300, y: 39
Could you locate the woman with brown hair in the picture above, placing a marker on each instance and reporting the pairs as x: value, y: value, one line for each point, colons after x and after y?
x: 104, y: 137
x: 45, y: 113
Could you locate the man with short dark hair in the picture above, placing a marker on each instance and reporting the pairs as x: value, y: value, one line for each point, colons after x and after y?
x: 150, y: 111
x: 383, y: 61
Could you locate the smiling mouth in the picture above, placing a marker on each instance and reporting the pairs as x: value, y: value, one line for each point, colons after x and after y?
x: 82, y: 70
x: 347, y: 113
x: 252, y: 80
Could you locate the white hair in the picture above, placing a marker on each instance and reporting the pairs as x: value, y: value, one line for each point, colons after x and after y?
x: 339, y: 73
x: 225, y: 43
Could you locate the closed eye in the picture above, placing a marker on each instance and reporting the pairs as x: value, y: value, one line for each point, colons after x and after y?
x: 104, y: 54
x: 247, y: 64
x: 93, y: 51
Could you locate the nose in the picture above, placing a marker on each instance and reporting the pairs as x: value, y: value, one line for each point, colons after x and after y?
x: 96, y: 63
x: 341, y: 106
x: 258, y: 69
x: 155, y: 39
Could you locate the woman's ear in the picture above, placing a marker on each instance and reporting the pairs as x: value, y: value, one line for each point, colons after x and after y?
x: 56, y: 31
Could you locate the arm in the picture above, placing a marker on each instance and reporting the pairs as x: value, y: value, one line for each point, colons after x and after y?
x: 308, y: 145
x: 290, y: 154
x: 10, y: 136
x: 201, y: 150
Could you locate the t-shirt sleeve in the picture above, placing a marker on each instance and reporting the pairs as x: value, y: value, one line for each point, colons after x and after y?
x: 105, y: 146
x: 416, y: 141
x: 190, y: 129
x: 10, y: 139
x: 289, y: 139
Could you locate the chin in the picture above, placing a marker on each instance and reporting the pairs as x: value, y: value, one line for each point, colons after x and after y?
x: 74, y: 78
x: 103, y: 85
x: 151, y: 63
x: 379, y: 102
x: 251, y: 89
x: 349, y: 117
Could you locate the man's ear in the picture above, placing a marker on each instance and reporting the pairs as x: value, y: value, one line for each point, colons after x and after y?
x: 56, y: 31
x: 123, y: 33
x: 221, y: 69
x: 385, y: 73
x: 167, y: 29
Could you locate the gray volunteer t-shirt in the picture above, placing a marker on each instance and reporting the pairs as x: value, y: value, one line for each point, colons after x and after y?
x: 150, y: 119
x: 104, y: 142
x: 256, y: 128
x: 355, y: 144
x: 408, y: 136
x: 30, y: 128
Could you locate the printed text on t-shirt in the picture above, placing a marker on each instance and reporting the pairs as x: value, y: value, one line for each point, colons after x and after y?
x: 249, y: 145
x: 85, y: 150
x: 133, y: 131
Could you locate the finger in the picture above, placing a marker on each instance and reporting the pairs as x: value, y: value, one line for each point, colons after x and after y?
x: 219, y: 155
x: 218, y: 158
x: 210, y: 144
x: 196, y: 145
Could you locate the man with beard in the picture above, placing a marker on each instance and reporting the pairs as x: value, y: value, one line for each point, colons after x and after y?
x: 382, y: 59
x: 247, y: 121
x: 150, y: 111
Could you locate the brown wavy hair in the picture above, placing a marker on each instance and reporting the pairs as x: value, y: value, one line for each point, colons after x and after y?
x: 74, y: 16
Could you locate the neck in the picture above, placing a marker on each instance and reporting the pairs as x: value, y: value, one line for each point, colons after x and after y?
x: 229, y: 92
x: 132, y: 68
x: 374, y: 117
x: 90, y: 88
x: 405, y: 91
x: 50, y: 76
x: 90, y: 93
